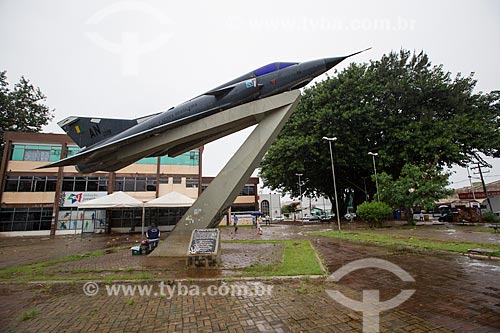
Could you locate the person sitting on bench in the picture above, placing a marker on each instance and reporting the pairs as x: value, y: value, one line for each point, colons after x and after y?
x: 153, y: 236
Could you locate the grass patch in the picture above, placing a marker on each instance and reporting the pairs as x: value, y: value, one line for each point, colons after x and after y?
x: 299, y: 259
x: 38, y: 268
x: 417, y: 242
x: 28, y: 315
x: 487, y: 230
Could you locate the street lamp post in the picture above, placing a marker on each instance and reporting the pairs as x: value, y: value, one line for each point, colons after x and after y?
x: 375, y: 169
x: 270, y: 206
x: 300, y: 192
x: 333, y: 176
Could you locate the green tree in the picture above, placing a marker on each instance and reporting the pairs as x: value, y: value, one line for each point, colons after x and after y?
x: 374, y: 212
x: 401, y: 106
x: 416, y: 186
x: 22, y: 108
x: 289, y: 209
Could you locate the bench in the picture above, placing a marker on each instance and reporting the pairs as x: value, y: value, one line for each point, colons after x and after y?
x: 495, y: 227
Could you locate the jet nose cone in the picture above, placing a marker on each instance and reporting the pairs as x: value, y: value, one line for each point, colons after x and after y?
x: 332, y: 62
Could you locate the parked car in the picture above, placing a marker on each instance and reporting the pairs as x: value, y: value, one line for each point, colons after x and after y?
x: 312, y: 218
x: 449, y: 217
x: 327, y: 218
x: 278, y: 219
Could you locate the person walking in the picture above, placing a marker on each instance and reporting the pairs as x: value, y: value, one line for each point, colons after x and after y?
x: 235, y: 223
x: 259, y: 226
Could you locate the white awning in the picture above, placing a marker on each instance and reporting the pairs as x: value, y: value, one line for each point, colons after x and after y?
x: 172, y: 199
x: 114, y: 200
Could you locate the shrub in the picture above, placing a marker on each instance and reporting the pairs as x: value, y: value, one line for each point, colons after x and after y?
x: 374, y: 212
x: 490, y: 217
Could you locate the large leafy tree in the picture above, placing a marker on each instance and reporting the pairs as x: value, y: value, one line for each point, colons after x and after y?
x: 417, y: 185
x: 401, y: 106
x: 22, y: 108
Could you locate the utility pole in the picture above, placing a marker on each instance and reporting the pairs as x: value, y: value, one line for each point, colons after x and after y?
x: 484, y: 185
x: 300, y: 193
x: 470, y: 183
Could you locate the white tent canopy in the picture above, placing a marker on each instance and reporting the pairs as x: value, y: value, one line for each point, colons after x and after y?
x: 114, y: 200
x: 172, y: 199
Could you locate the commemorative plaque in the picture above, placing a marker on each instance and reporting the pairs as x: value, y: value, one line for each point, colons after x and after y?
x: 204, y: 247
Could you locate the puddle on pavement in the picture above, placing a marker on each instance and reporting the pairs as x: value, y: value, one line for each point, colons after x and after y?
x: 492, y: 266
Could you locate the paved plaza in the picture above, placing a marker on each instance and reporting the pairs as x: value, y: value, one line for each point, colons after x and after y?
x: 453, y: 293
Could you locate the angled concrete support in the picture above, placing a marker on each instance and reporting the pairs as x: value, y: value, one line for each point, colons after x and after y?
x: 270, y: 114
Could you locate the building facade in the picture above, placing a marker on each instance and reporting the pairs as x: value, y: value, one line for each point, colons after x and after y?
x: 477, y: 193
x: 270, y: 204
x: 43, y: 199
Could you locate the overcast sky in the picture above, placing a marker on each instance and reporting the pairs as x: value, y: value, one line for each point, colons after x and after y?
x: 125, y: 59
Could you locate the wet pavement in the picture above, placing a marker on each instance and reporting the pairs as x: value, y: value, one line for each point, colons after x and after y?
x: 452, y: 292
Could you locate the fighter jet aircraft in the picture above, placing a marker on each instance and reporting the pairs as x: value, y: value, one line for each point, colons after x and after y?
x: 103, y: 140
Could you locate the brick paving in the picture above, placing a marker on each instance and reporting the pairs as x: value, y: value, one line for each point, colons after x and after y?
x: 292, y: 306
x: 454, y: 293
x: 29, y: 250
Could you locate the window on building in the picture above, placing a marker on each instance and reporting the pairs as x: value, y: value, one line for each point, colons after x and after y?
x: 151, y: 184
x: 36, y: 155
x: 193, y: 155
x: 11, y: 184
x: 72, y: 150
x: 191, y: 182
x: 30, y: 184
x: 39, y: 184
x: 83, y: 184
x: 24, y: 219
x: 135, y: 184
x: 264, y: 207
x: 55, y: 153
x: 25, y: 183
x: 129, y: 184
x: 188, y: 158
x: 92, y: 183
x: 43, y: 153
x: 177, y: 180
x: 248, y: 189
x: 102, y: 184
x: 119, y: 183
x: 140, y: 184
x: 51, y: 184
x: 68, y: 184
x: 80, y: 184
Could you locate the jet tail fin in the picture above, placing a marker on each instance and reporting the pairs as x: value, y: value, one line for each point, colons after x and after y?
x: 89, y: 131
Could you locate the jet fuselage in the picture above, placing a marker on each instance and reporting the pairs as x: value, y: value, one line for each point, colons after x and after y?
x: 102, y: 139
